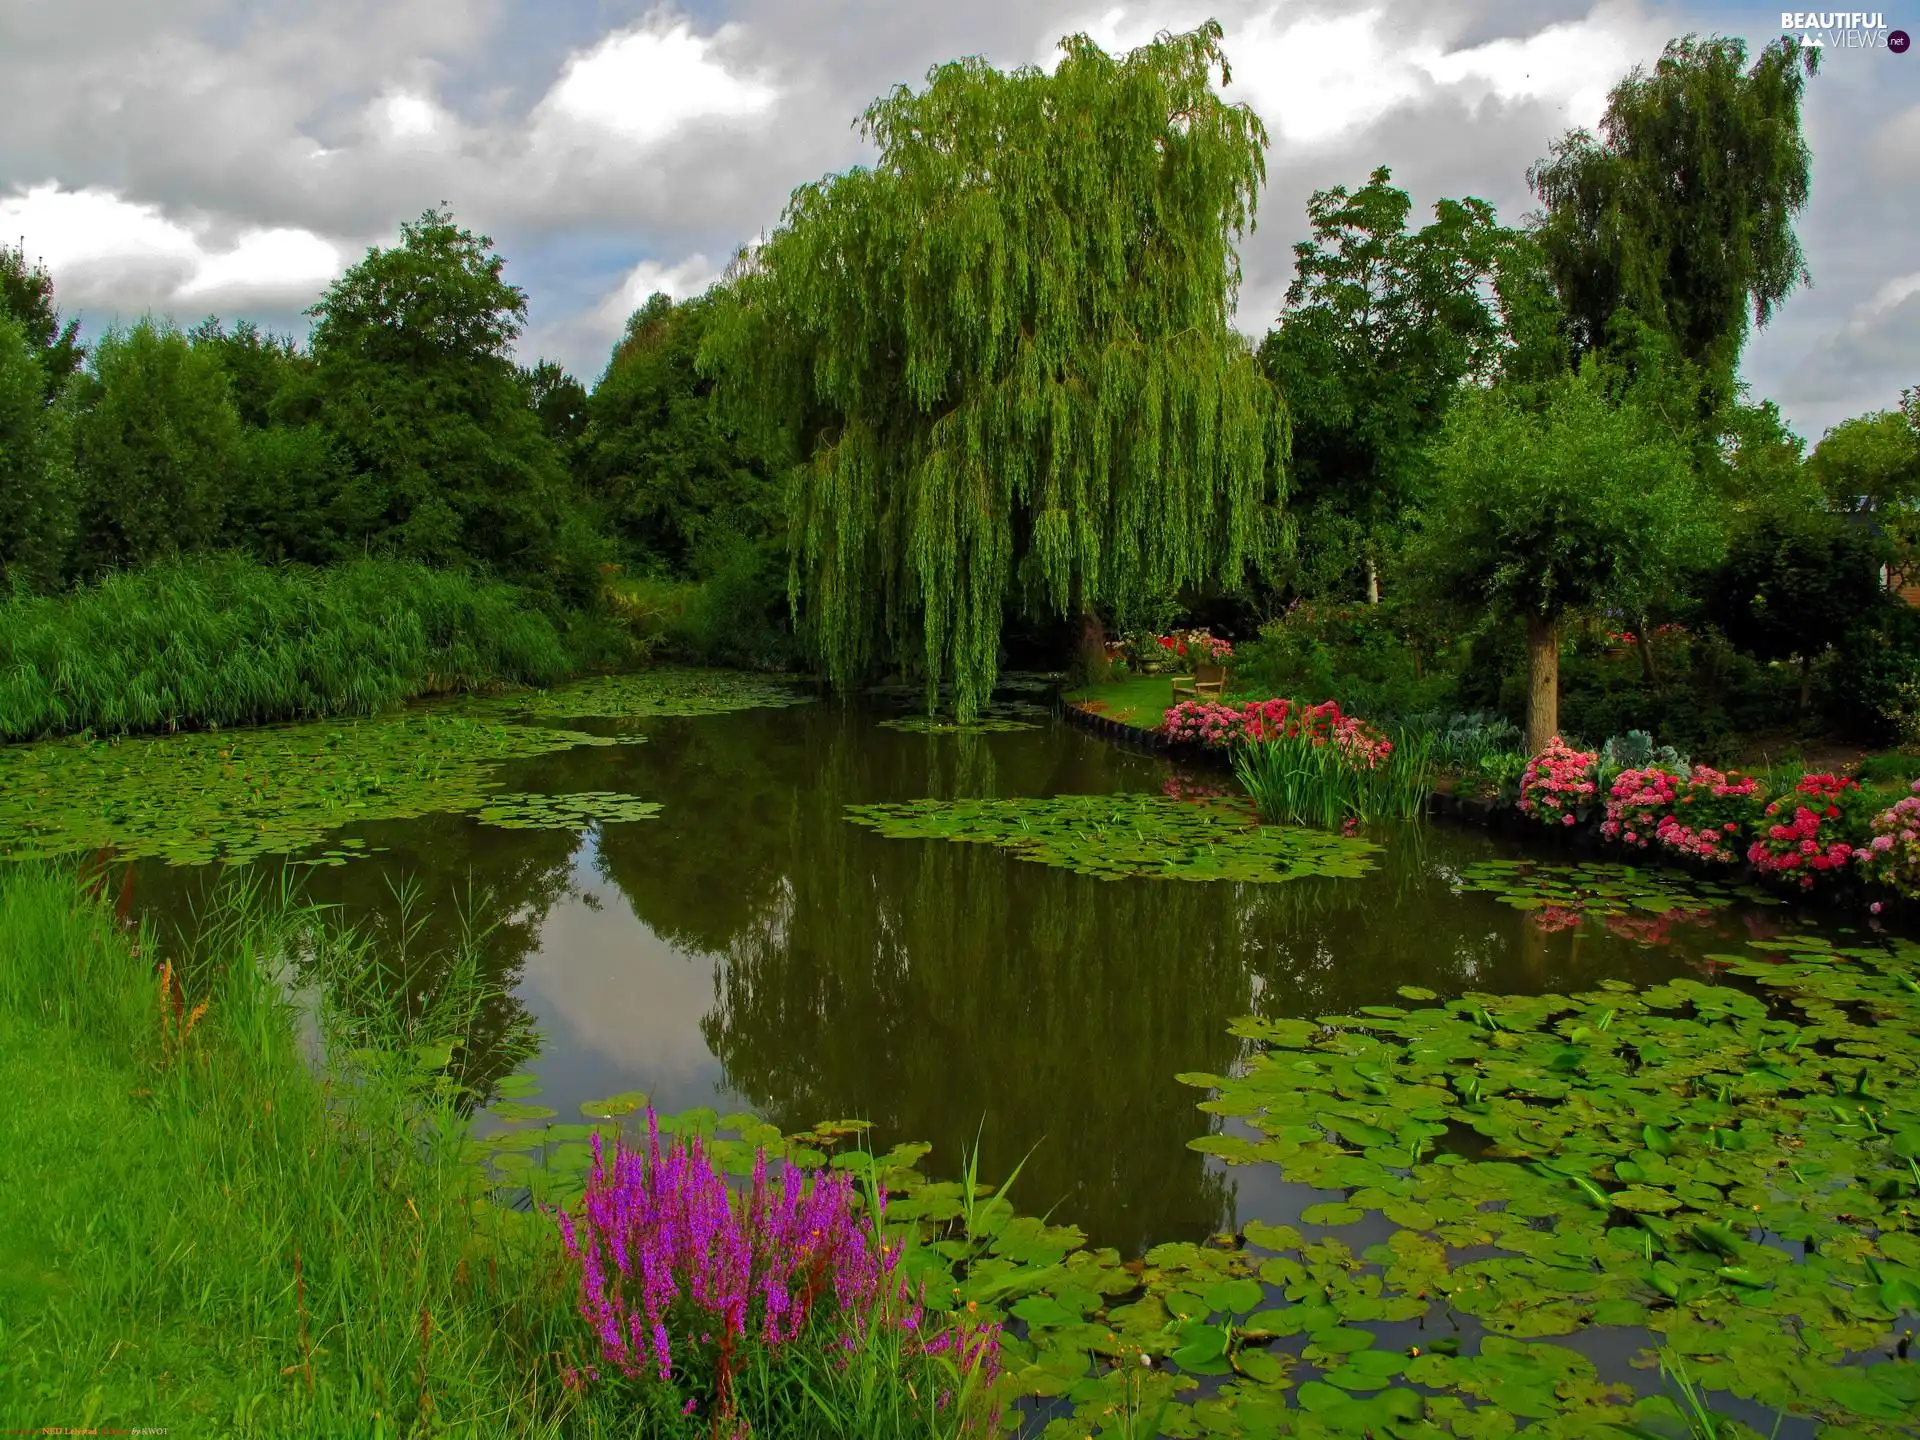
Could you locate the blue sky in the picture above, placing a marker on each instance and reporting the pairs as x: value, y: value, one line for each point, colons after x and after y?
x: 208, y: 156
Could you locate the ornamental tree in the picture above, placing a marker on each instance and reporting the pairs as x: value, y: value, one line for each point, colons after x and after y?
x: 1555, y: 499
x: 1000, y: 360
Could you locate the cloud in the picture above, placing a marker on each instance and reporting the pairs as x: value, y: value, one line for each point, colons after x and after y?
x: 582, y: 340
x: 105, y: 250
x: 639, y: 86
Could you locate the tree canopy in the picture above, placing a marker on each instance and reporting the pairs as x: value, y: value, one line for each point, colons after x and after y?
x: 1681, y: 211
x: 1380, y: 326
x: 26, y: 294
x: 1002, y: 362
x: 34, y: 509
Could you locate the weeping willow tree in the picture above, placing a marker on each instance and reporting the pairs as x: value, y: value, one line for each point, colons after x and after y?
x: 1001, y: 363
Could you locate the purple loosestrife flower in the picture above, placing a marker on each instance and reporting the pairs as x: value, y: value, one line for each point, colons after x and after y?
x: 668, y: 1252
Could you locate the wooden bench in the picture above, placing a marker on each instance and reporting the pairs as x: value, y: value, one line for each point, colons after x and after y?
x: 1208, y: 682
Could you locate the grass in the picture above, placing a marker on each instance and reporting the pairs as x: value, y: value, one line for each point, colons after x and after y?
x: 221, y: 640
x: 1139, y: 700
x: 1294, y: 781
x: 204, y: 1230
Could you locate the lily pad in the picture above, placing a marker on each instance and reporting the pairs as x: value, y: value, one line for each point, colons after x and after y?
x: 1121, y: 836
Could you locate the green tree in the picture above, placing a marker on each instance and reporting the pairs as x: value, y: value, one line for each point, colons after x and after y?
x: 1681, y: 211
x: 414, y: 380
x: 1380, y: 326
x: 26, y: 294
x: 260, y: 366
x: 1870, y: 466
x: 35, y: 507
x: 1796, y: 578
x: 1002, y: 358
x: 1554, y: 500
x: 672, y: 481
x: 155, y: 437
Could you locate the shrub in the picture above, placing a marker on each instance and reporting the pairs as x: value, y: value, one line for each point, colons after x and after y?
x: 1702, y: 815
x: 1206, y: 722
x: 1558, y: 786
x: 1805, y: 834
x: 1892, y: 854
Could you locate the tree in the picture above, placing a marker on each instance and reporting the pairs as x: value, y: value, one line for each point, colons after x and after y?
x: 1870, y: 466
x: 260, y: 366
x: 1795, y: 579
x: 26, y: 294
x: 1554, y: 500
x: 155, y: 437
x: 1380, y: 326
x: 1003, y: 362
x: 559, y: 400
x: 1681, y: 212
x: 35, y: 507
x: 672, y: 480
x: 414, y: 380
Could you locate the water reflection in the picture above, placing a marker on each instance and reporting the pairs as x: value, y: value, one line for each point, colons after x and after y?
x: 750, y: 948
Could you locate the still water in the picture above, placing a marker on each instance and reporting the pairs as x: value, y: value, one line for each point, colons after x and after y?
x: 748, y: 948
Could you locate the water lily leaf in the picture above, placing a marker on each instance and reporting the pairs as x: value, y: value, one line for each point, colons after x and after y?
x: 625, y: 1103
x: 1119, y: 836
x: 515, y: 1110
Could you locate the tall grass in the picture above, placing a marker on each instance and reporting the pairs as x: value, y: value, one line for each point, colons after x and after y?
x: 219, y: 640
x: 1294, y: 781
x: 210, y: 1225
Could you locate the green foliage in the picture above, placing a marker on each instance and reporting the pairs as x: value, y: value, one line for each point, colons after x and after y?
x: 1380, y: 326
x: 1870, y: 465
x: 1794, y: 582
x: 1874, y: 684
x: 674, y: 485
x: 449, y: 462
x: 1681, y: 212
x: 654, y: 693
x: 26, y: 297
x: 1116, y: 836
x: 155, y: 439
x: 1294, y: 780
x: 35, y: 507
x: 1550, y: 510
x: 1381, y: 661
x: 1002, y: 359
x: 219, y: 640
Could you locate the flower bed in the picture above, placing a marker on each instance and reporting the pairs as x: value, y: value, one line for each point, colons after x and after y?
x: 1701, y: 815
x: 1892, y: 855
x: 1803, y: 834
x: 1558, y: 786
x: 1215, y: 725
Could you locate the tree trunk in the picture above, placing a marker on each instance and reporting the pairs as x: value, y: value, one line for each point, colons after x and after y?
x: 1373, y: 581
x: 1645, y: 647
x: 1543, y: 682
x: 1806, y: 683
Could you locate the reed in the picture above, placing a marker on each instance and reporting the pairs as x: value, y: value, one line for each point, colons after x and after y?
x: 225, y: 1228
x: 1300, y: 780
x: 220, y: 640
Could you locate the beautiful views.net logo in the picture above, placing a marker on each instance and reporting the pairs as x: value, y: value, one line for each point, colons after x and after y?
x: 1844, y: 30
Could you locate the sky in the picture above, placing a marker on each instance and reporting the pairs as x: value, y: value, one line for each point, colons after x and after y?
x: 201, y: 157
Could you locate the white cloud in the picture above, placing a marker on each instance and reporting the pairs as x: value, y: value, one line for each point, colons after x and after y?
x: 583, y: 340
x: 274, y: 263
x: 685, y: 278
x: 1319, y: 79
x: 642, y: 84
x: 103, y: 249
x: 404, y: 118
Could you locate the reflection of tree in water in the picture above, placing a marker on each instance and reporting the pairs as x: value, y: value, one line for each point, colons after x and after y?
x: 461, y: 880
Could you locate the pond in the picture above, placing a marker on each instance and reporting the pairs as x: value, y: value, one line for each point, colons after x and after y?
x: 749, y: 945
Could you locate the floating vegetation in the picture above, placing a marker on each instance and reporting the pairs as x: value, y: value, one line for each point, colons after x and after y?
x: 1119, y: 836
x: 1598, y: 888
x: 565, y: 812
x: 1725, y: 1174
x: 935, y: 725
x: 235, y: 795
x: 658, y: 693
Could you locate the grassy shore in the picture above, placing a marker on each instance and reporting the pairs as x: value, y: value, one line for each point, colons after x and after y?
x: 221, y: 640
x: 203, y: 1230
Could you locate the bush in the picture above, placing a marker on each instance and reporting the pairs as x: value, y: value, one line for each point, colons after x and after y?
x: 1558, y: 786
x: 1700, y: 815
x: 1892, y: 854
x: 218, y: 640
x: 1808, y: 833
x: 1873, y: 686
x: 1365, y: 657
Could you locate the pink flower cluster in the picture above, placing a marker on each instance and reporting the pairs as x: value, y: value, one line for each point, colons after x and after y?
x: 1806, y: 844
x: 1212, y: 724
x: 1558, y: 784
x: 1702, y: 817
x: 669, y: 1253
x: 1892, y: 856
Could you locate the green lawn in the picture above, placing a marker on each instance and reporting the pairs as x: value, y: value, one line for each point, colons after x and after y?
x: 1138, y: 700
